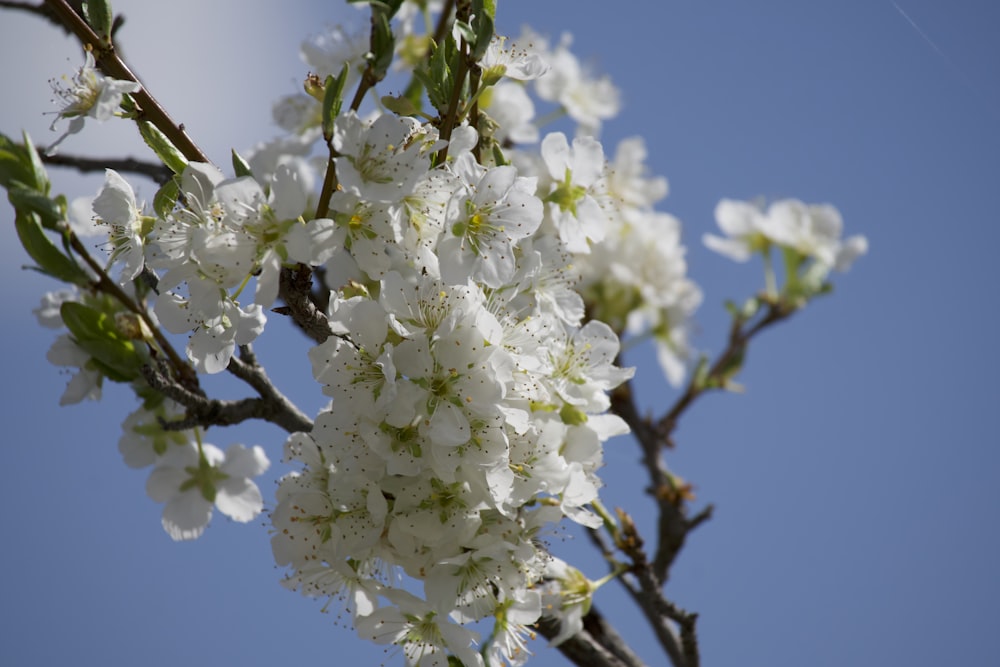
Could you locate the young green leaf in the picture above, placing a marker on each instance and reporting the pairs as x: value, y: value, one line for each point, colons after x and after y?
x: 162, y: 146
x: 240, y: 166
x: 15, y: 165
x: 32, y: 201
x: 49, y: 258
x: 333, y: 100
x: 95, y: 333
x: 166, y: 198
x: 40, y: 180
x: 99, y: 16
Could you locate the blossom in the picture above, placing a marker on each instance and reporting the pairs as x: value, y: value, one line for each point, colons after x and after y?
x: 573, y: 203
x: 193, y: 478
x: 587, y: 99
x: 513, y: 111
x: 485, y: 220
x: 424, y: 634
x: 86, y: 382
x: 88, y: 94
x: 743, y: 224
x: 513, y: 63
x: 115, y: 207
x: 380, y: 161
x: 811, y: 231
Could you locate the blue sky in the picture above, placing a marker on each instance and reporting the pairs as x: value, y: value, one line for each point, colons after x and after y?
x: 855, y: 481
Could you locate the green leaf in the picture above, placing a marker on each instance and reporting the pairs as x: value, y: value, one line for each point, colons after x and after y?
x: 162, y: 146
x: 498, y: 157
x: 40, y: 180
x: 437, y: 75
x: 99, y: 16
x: 401, y: 106
x: 50, y: 259
x: 16, y: 165
x: 383, y: 44
x: 483, y: 27
x: 468, y: 34
x: 333, y: 100
x: 700, y: 376
x: 166, y: 198
x: 95, y: 333
x: 32, y: 201
x: 240, y: 166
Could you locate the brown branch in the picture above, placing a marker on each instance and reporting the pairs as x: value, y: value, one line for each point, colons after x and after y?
x: 648, y: 595
x: 205, y: 412
x: 294, y: 289
x: 156, y: 172
x: 40, y: 10
x: 286, y: 414
x: 716, y: 378
x: 585, y: 648
x: 111, y: 64
x: 672, y: 522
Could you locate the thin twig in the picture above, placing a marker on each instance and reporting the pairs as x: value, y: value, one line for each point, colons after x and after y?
x: 206, y: 412
x: 107, y: 59
x: 737, y: 344
x: 286, y: 414
x: 154, y: 171
x: 583, y: 649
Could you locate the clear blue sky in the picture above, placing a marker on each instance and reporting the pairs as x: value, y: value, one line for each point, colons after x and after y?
x: 855, y: 481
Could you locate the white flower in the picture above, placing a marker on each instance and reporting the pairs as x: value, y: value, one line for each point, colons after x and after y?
x: 743, y: 224
x: 587, y: 100
x: 380, y: 161
x: 567, y: 596
x: 584, y: 367
x: 513, y: 627
x: 190, y: 484
x: 424, y: 635
x: 86, y: 382
x: 485, y: 220
x: 88, y: 94
x: 514, y: 63
x: 512, y: 109
x: 573, y: 205
x: 326, y: 53
x: 115, y: 207
x: 144, y: 441
x: 812, y: 230
x: 809, y: 230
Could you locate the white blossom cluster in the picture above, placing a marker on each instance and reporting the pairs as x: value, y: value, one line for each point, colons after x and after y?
x: 475, y: 304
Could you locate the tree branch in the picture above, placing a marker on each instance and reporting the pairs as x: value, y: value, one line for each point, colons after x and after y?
x: 156, y: 172
x: 106, y: 58
x: 206, y: 412
x: 717, y: 375
x: 672, y: 522
x: 585, y: 648
x: 295, y: 289
x: 286, y: 414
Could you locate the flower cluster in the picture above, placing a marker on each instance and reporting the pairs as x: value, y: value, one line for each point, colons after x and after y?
x: 808, y: 235
x: 469, y: 397
x: 475, y: 274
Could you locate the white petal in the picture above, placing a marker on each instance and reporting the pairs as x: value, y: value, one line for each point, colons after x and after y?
x: 186, y: 516
x: 245, y: 462
x: 239, y: 499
